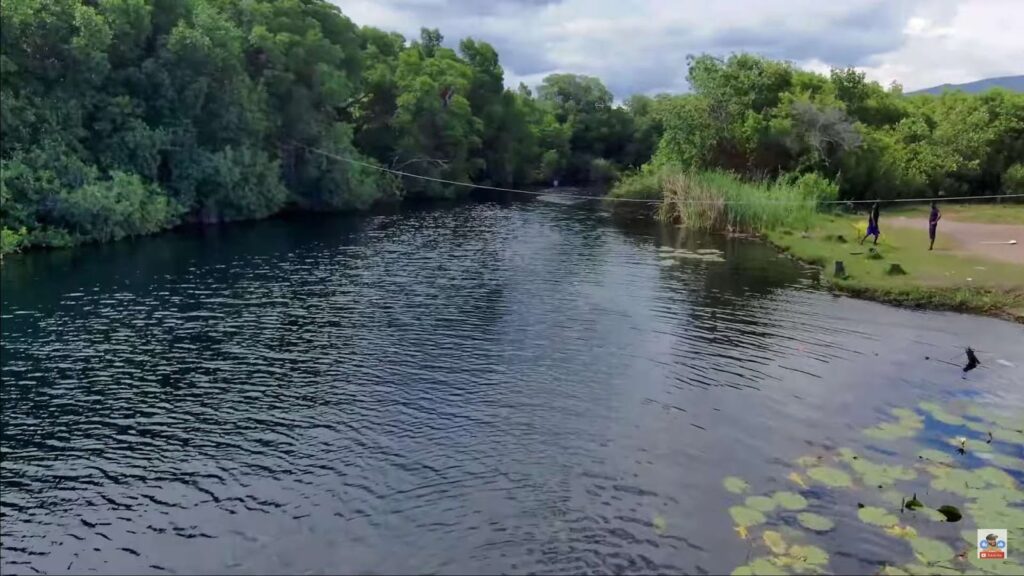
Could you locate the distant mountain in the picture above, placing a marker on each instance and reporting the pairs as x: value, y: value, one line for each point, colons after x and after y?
x: 1014, y: 83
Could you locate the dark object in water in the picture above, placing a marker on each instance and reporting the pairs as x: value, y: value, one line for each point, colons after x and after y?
x: 840, y: 269
x: 989, y: 441
x: 952, y: 513
x: 860, y: 505
x: 914, y: 503
x: 972, y: 360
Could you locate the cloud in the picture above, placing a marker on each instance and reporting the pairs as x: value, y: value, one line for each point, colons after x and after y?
x: 640, y: 46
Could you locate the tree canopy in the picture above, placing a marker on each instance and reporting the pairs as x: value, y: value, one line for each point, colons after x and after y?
x: 125, y: 117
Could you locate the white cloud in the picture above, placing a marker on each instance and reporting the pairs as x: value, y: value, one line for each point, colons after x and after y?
x: 973, y: 40
x: 641, y: 45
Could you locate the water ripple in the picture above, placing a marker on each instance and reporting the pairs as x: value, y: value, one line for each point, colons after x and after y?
x: 486, y: 388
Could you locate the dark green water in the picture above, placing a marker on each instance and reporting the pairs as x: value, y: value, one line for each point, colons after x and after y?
x: 480, y: 388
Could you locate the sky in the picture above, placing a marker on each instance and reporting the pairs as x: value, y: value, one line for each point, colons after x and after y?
x: 640, y: 46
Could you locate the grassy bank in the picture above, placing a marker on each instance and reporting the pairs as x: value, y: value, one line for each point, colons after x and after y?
x: 786, y: 213
x: 933, y: 280
x: 1005, y: 213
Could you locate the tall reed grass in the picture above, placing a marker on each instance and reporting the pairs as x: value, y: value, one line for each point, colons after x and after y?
x: 720, y: 201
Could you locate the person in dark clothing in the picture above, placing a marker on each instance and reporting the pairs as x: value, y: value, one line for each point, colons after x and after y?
x: 933, y: 223
x: 872, y: 224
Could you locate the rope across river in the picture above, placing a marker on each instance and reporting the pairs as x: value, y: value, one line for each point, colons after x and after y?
x: 328, y: 154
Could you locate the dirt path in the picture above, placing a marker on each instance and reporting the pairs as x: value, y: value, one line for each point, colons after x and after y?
x: 967, y: 237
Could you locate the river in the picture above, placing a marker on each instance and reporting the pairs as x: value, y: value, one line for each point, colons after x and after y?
x: 484, y: 387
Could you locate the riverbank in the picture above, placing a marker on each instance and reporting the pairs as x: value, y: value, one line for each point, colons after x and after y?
x: 948, y: 278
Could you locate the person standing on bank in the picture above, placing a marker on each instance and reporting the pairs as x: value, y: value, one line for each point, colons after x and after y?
x: 933, y: 223
x: 872, y: 224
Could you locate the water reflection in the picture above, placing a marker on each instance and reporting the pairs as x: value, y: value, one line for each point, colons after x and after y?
x: 491, y: 387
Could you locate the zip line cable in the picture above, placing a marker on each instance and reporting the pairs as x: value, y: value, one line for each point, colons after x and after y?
x: 327, y: 154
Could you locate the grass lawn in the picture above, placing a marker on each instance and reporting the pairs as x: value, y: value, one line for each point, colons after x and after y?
x: 982, y: 213
x: 933, y: 279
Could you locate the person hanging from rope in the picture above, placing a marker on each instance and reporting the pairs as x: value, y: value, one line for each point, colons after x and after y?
x: 446, y: 96
x: 933, y: 223
x: 872, y: 224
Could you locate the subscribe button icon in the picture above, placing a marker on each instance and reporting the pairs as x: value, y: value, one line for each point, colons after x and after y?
x: 992, y: 544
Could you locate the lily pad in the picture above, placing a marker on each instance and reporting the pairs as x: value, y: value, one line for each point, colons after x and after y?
x: 957, y: 481
x: 890, y: 431
x: 940, y: 414
x: 913, y: 503
x: 660, y: 524
x: 808, y: 461
x: 908, y: 417
x: 918, y: 570
x: 761, y: 503
x: 809, y: 555
x: 880, y: 474
x: 790, y: 500
x: 930, y: 551
x: 746, y: 517
x: 829, y: 476
x: 935, y: 456
x: 898, y: 531
x: 933, y: 515
x: 995, y: 477
x: 765, y: 567
x: 735, y: 485
x: 1004, y: 461
x: 876, y: 516
x: 773, y: 540
x: 815, y: 522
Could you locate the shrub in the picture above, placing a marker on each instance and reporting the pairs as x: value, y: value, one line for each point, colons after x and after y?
x: 112, y: 209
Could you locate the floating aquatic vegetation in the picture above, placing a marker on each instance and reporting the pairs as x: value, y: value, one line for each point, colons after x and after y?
x: 833, y: 477
x: 906, y: 425
x: 898, y: 531
x: 667, y: 262
x: 712, y: 256
x: 876, y: 516
x: 735, y: 485
x: 1004, y: 461
x: 931, y: 551
x: 935, y: 456
x: 773, y: 540
x: 793, y: 476
x: 762, y: 503
x: 746, y: 517
x: 790, y: 501
x: 660, y: 524
x: 809, y: 461
x: 815, y: 522
x: 991, y: 495
x: 758, y: 567
x: 807, y: 555
x: 881, y: 475
x: 941, y: 415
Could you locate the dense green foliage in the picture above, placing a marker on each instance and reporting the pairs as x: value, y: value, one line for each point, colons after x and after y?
x: 761, y: 118
x: 125, y: 117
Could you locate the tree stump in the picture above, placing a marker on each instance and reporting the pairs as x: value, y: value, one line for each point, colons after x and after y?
x: 840, y: 269
x: 896, y: 270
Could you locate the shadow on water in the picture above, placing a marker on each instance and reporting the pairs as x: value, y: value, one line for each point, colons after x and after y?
x: 492, y: 387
